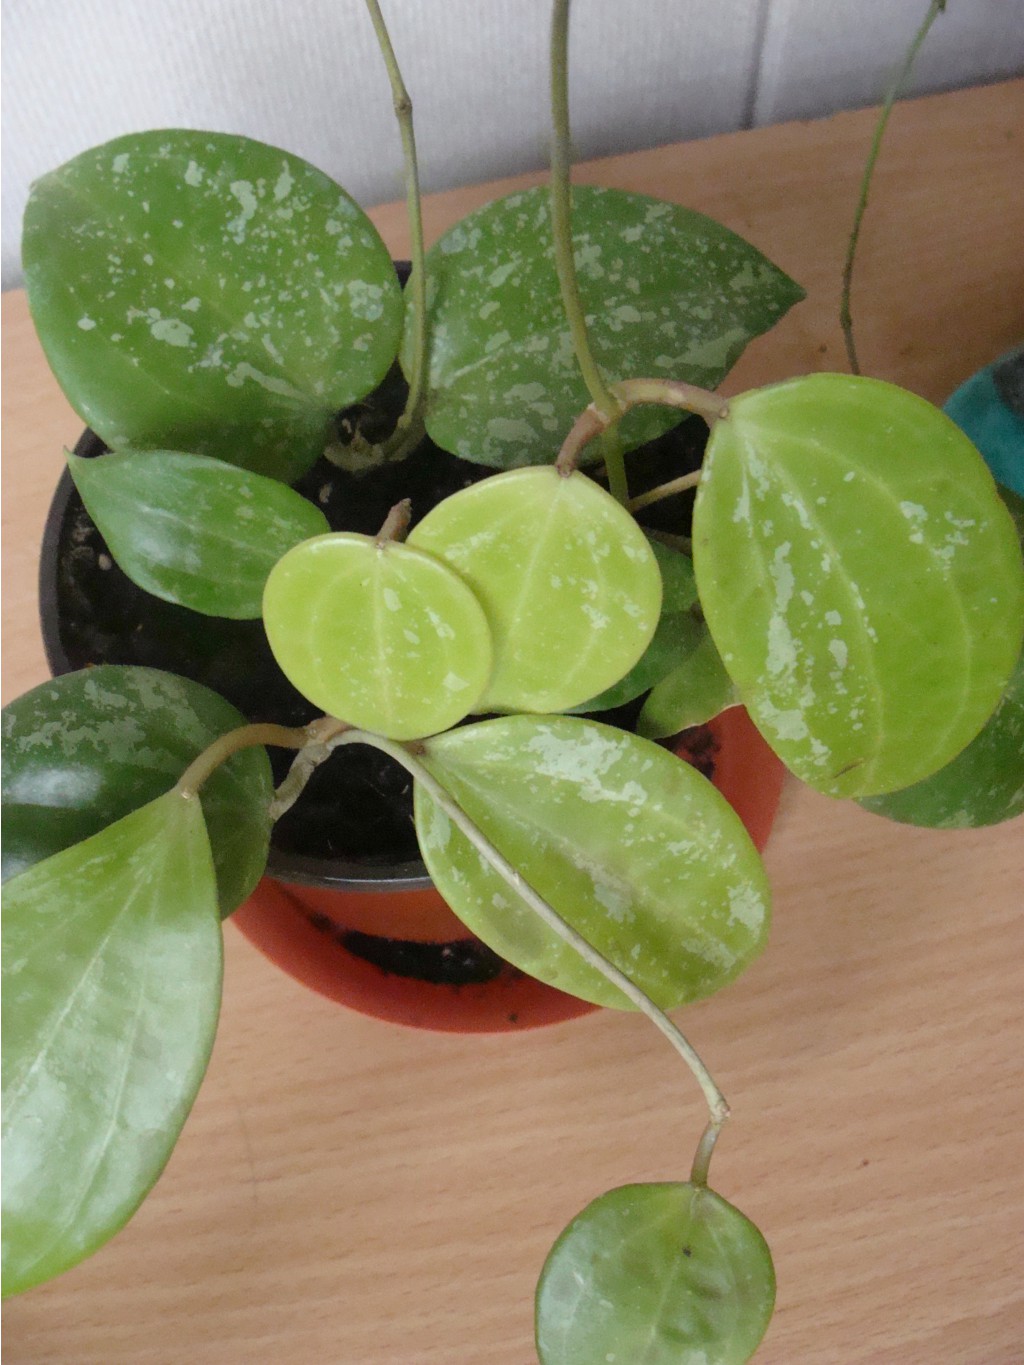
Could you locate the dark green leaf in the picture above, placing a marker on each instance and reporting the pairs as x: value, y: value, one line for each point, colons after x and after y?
x: 695, y: 691
x: 205, y: 292
x: 192, y: 530
x: 667, y: 1274
x: 629, y: 844
x: 111, y: 989
x: 83, y: 750
x: 860, y: 577
x: 668, y: 294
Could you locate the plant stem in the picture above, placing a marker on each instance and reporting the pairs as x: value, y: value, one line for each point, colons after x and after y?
x: 717, y: 1106
x: 665, y: 490
x: 247, y: 737
x: 396, y: 523
x: 409, y: 432
x: 936, y: 8
x: 603, y: 398
x: 631, y: 393
x: 705, y: 1149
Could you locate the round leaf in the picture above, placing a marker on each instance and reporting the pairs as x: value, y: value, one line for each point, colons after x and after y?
x: 570, y: 586
x: 666, y: 1274
x: 192, y: 530
x: 377, y: 634
x: 629, y: 844
x: 205, y: 292
x: 111, y: 989
x: 86, y: 749
x: 667, y: 292
x: 860, y: 577
x: 984, y: 785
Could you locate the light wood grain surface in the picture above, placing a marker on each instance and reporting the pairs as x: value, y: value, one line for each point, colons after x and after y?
x: 348, y: 1191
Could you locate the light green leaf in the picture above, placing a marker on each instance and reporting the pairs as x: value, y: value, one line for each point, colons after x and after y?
x: 111, y: 989
x: 378, y: 634
x: 668, y: 294
x: 694, y: 692
x: 860, y: 577
x: 192, y: 530
x: 570, y: 586
x: 205, y: 292
x: 666, y: 1274
x: 85, y: 749
x: 629, y: 844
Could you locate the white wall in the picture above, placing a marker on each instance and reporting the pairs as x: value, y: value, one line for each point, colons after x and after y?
x: 306, y: 74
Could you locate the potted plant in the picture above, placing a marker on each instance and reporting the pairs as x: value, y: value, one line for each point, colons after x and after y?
x: 860, y: 590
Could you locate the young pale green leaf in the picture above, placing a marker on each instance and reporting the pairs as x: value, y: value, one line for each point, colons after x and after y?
x: 193, y: 530
x: 205, y: 292
x: 569, y: 583
x: 695, y: 691
x: 378, y: 633
x: 984, y: 785
x: 668, y: 646
x: 660, y: 1274
x: 111, y: 989
x: 667, y: 292
x: 860, y: 577
x: 630, y: 845
x: 86, y: 749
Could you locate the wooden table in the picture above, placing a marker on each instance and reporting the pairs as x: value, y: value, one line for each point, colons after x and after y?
x: 351, y: 1192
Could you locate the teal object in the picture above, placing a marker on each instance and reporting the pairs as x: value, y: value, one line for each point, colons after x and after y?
x: 989, y: 407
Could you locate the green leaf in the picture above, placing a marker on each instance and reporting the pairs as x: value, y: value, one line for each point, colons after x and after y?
x: 860, y: 577
x: 984, y: 785
x: 567, y: 579
x: 378, y: 634
x: 192, y: 530
x: 695, y: 691
x: 629, y: 844
x: 111, y: 989
x: 665, y: 1274
x: 205, y: 292
x: 668, y: 294
x: 84, y: 750
x: 669, y: 644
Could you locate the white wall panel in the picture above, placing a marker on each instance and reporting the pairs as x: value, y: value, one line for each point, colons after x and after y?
x: 306, y: 74
x: 820, y: 55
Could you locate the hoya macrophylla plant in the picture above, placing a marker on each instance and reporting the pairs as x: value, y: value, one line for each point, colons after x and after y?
x: 860, y: 576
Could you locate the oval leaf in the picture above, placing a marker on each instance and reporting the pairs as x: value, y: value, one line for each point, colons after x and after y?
x: 111, y: 989
x: 629, y: 844
x: 694, y: 692
x: 860, y: 577
x: 667, y: 292
x: 86, y: 749
x: 570, y: 586
x: 378, y: 634
x: 192, y: 530
x: 984, y: 785
x: 666, y: 1274
x: 205, y: 292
